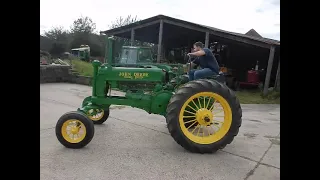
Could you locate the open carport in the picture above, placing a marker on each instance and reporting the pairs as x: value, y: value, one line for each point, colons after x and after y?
x: 170, y: 33
x: 135, y: 145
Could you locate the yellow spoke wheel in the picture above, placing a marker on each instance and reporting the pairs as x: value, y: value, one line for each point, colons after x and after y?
x: 204, y: 116
x: 100, y: 117
x: 74, y: 130
x: 208, y: 129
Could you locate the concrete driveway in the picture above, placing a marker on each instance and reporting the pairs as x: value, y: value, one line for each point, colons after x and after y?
x: 135, y: 145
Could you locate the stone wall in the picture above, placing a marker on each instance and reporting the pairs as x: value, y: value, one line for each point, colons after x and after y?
x: 61, y: 73
x: 51, y: 73
x: 84, y: 80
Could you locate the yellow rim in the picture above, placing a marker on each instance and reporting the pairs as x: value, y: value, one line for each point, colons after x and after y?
x: 73, y: 131
x: 205, y: 118
x: 98, y: 116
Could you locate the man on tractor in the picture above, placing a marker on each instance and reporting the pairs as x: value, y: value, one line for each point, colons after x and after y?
x: 208, y: 63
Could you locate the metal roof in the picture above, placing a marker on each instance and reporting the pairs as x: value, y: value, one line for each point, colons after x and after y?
x: 203, y: 27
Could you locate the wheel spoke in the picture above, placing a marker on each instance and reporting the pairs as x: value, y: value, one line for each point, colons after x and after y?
x: 203, y: 131
x: 204, y: 102
x: 195, y: 104
x: 219, y: 112
x: 199, y: 103
x: 216, y: 126
x: 194, y: 129
x: 212, y: 106
x: 189, y: 121
x: 218, y: 121
x: 213, y: 129
x: 198, y: 131
x: 189, y: 112
x: 191, y: 108
x: 208, y: 131
x: 193, y: 116
x: 191, y: 125
x: 208, y: 102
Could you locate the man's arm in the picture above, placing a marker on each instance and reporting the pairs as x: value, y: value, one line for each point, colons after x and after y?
x: 198, y: 53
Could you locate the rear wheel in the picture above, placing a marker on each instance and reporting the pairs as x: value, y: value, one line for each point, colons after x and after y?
x: 204, y: 116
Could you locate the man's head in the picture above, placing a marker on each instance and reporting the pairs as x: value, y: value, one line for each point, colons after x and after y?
x: 197, y: 46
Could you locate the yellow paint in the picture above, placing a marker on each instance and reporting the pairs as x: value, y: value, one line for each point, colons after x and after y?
x: 140, y: 75
x: 201, y: 114
x: 205, y: 117
x: 126, y: 75
x: 98, y: 116
x: 73, y: 131
x: 135, y: 75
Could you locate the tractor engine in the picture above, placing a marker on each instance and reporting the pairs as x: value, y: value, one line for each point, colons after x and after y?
x: 133, y: 78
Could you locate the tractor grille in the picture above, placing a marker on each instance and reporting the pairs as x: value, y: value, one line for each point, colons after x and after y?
x: 136, y: 85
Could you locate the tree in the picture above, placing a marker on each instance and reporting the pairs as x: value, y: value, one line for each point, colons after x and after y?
x: 123, y: 21
x: 83, y: 25
x: 82, y: 31
x: 45, y: 43
x: 59, y: 38
x: 57, y: 34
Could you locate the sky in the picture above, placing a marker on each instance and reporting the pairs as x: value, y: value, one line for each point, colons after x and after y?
x: 230, y: 15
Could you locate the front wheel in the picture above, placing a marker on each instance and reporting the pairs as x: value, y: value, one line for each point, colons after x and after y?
x: 101, y: 115
x: 204, y: 116
x: 74, y: 130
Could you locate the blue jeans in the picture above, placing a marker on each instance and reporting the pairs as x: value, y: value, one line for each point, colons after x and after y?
x: 200, y: 73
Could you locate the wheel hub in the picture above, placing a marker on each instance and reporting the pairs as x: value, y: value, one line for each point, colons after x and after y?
x: 75, y: 130
x: 204, y: 116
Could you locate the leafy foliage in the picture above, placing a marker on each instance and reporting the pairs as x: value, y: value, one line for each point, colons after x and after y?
x: 83, y: 25
x: 119, y: 22
x: 82, y: 32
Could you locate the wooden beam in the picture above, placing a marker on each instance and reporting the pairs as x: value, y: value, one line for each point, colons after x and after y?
x: 221, y: 34
x: 269, y: 69
x: 160, y: 42
x: 132, y: 37
x: 206, y: 41
x: 277, y: 82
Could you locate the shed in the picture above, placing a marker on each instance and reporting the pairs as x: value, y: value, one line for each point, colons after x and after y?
x: 171, y: 32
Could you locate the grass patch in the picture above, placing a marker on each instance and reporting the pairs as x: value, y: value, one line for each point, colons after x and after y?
x: 82, y: 67
x: 254, y: 97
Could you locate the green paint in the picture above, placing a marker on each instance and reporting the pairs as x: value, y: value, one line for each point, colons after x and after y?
x: 148, y: 86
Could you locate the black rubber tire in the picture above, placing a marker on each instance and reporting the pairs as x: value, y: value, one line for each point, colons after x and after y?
x: 176, y: 102
x: 104, y: 117
x: 87, y: 123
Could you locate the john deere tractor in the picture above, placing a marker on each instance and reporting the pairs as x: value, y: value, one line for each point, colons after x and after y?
x: 202, y: 116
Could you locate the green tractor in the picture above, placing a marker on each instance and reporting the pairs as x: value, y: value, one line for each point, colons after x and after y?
x: 202, y: 116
